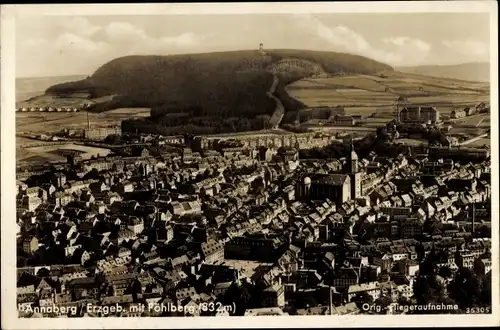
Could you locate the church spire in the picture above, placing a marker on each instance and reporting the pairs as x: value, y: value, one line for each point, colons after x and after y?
x: 352, y: 160
x: 353, y: 172
x: 353, y: 155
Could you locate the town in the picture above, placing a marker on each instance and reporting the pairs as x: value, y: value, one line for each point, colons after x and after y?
x: 254, y: 225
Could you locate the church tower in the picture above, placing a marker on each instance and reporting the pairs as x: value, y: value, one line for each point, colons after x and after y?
x: 352, y: 160
x: 354, y: 173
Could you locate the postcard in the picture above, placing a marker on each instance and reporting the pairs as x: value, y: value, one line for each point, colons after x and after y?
x: 249, y: 165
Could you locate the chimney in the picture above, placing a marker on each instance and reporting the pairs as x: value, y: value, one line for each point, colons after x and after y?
x: 330, y: 300
x: 473, y: 219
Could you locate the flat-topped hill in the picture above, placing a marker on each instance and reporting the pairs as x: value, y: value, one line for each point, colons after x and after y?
x: 223, y: 83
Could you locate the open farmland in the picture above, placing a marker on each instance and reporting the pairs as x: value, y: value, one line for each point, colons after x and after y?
x: 27, y: 88
x: 365, y: 94
x: 466, y: 130
x: 479, y: 121
x: 346, y: 98
x: 437, y: 81
x: 56, y: 152
x: 480, y: 143
x: 447, y: 99
x: 467, y: 71
x: 363, y: 111
x: 54, y: 122
x: 23, y: 156
x: 53, y: 101
x: 486, y: 123
x: 346, y: 91
x: 39, y: 154
x: 22, y: 141
x: 358, y: 82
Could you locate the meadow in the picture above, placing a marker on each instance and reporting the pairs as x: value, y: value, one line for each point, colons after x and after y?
x: 56, y: 153
x: 379, y: 94
x: 479, y: 143
x: 54, y: 122
x: 477, y: 120
x: 27, y: 88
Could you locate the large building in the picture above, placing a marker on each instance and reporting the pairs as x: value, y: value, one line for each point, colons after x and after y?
x: 336, y: 187
x: 417, y: 114
x: 352, y: 169
x: 99, y: 134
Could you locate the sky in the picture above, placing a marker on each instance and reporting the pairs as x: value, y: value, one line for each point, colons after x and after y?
x: 71, y: 45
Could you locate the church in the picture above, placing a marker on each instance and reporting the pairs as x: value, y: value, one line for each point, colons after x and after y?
x: 337, y: 187
x: 352, y: 169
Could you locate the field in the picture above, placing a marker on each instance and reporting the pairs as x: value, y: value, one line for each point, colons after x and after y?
x: 445, y: 101
x: 52, y: 122
x: 368, y: 94
x: 480, y: 121
x: 479, y: 143
x: 475, y: 131
x: 52, y: 101
x: 56, y: 153
x: 486, y: 123
x: 329, y: 92
x: 467, y: 71
x: 22, y: 141
x: 27, y: 88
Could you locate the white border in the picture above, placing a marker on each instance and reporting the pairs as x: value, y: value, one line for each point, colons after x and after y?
x: 257, y: 8
x: 8, y: 188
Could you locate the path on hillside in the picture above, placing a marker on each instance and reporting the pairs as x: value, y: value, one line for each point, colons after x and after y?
x: 279, y: 111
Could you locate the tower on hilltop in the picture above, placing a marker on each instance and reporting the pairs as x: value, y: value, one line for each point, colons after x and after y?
x: 261, y: 49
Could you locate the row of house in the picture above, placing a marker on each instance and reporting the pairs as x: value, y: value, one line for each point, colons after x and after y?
x: 159, y: 229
